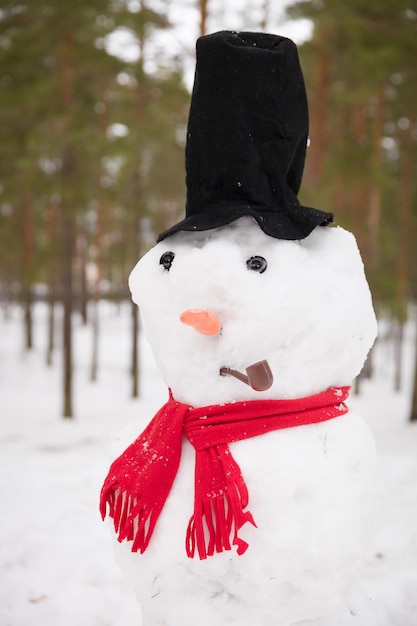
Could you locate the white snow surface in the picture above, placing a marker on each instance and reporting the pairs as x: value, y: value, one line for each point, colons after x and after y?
x: 56, y: 561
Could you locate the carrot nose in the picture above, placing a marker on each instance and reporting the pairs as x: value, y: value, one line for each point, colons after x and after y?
x: 203, y: 321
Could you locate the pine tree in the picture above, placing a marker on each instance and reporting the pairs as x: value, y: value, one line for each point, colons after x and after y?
x: 361, y: 76
x: 63, y: 95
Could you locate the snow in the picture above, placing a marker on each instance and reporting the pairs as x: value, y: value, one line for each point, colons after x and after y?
x: 311, y: 489
x: 56, y: 558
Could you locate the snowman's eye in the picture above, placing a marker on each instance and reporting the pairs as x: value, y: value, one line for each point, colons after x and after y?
x: 257, y: 264
x: 166, y: 260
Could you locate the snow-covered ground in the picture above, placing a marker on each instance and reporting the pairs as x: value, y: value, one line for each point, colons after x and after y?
x: 56, y: 562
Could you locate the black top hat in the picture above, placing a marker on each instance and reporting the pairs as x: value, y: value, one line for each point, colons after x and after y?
x: 247, y: 136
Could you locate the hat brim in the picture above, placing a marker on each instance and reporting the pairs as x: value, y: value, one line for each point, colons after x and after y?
x: 294, y: 223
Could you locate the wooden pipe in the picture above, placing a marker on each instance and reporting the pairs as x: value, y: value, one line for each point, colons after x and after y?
x: 258, y: 375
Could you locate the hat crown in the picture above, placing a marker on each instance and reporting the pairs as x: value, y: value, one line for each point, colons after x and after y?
x: 247, y: 135
x: 248, y: 123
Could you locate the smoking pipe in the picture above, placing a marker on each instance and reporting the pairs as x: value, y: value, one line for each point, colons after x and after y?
x: 258, y: 375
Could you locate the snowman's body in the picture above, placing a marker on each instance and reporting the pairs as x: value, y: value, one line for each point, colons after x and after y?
x: 309, y: 314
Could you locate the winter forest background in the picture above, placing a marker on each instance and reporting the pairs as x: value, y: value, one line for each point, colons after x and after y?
x: 92, y: 145
x: 94, y: 101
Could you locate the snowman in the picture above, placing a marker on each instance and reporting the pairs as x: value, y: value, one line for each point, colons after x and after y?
x: 248, y: 498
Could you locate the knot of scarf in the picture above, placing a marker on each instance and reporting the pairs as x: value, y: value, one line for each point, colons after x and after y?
x: 139, y: 481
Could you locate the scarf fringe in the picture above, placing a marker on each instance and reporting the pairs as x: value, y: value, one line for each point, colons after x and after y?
x: 220, y: 498
x: 132, y: 520
x: 209, y: 530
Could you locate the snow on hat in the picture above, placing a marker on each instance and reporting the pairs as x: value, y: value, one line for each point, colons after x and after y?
x: 247, y: 137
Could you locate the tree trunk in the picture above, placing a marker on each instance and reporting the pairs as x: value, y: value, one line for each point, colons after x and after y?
x: 96, y: 291
x: 51, y: 325
x: 68, y: 223
x: 27, y: 304
x: 98, y: 248
x: 202, y: 5
x: 28, y: 258
x: 265, y: 15
x: 96, y: 328
x: 405, y: 205
x: 67, y: 280
x: 135, y: 350
x: 82, y: 272
x: 6, y: 299
x: 134, y: 235
x: 398, y: 354
x: 53, y: 236
x: 413, y: 412
x: 402, y: 269
x: 374, y: 214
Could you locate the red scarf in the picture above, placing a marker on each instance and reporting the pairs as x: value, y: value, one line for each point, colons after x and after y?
x: 140, y: 480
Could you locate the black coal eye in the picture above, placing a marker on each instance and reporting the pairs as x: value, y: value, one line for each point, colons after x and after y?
x: 257, y: 264
x: 166, y: 260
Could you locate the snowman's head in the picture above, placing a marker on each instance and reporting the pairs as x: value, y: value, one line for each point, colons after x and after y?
x: 303, y: 306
